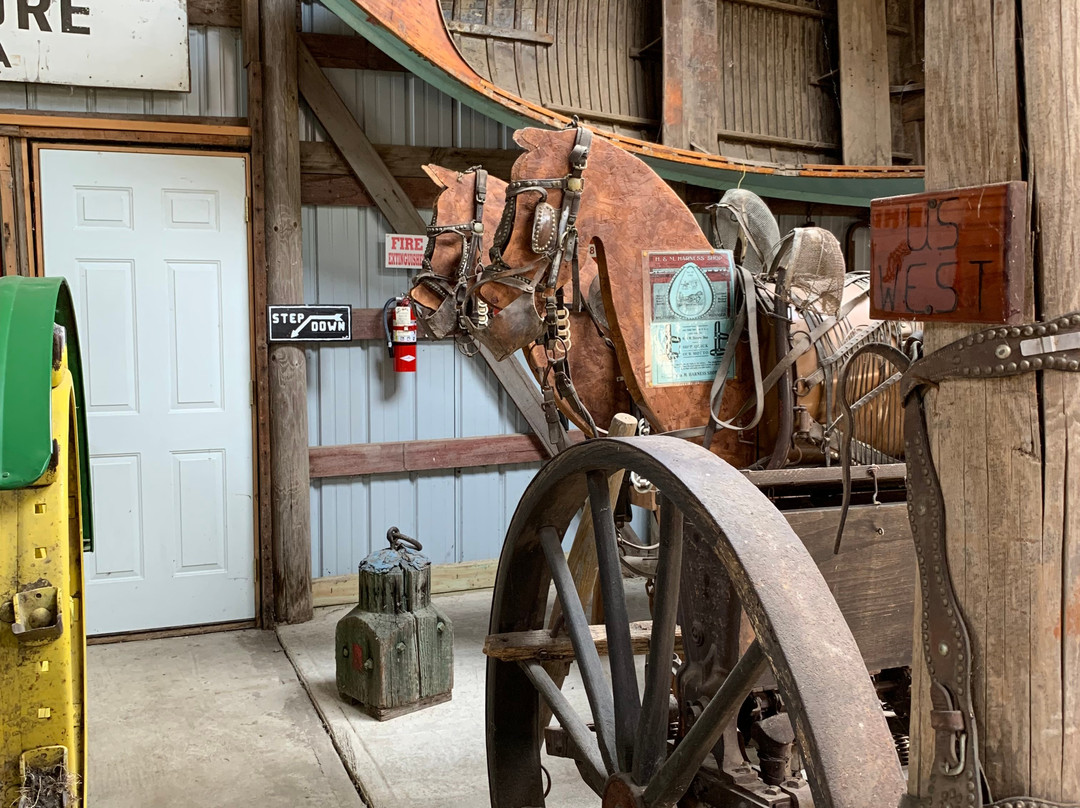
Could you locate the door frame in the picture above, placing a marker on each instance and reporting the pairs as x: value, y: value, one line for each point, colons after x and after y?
x: 258, y: 360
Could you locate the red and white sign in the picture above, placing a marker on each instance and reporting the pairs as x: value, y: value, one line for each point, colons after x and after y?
x: 404, y: 252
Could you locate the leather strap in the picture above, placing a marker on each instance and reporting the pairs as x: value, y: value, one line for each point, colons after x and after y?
x: 956, y: 779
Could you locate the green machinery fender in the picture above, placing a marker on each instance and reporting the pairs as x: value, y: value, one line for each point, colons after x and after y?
x: 28, y: 309
x: 44, y: 527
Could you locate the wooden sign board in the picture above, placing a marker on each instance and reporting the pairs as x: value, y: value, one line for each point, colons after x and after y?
x: 954, y: 256
x: 138, y: 44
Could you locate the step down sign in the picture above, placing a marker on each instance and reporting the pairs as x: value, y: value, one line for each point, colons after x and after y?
x: 310, y: 323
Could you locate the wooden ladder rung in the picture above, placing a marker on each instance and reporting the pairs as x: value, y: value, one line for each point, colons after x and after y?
x: 539, y: 645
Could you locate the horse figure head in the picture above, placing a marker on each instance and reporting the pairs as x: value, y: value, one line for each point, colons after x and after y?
x: 445, y: 309
x: 466, y: 210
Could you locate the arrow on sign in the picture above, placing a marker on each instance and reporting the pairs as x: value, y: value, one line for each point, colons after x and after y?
x: 311, y: 318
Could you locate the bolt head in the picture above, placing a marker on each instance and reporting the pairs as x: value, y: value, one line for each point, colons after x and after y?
x: 943, y: 649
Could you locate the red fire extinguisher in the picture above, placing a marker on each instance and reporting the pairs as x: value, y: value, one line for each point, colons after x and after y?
x: 401, y: 333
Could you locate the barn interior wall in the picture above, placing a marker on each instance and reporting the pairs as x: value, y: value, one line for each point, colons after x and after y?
x: 353, y: 394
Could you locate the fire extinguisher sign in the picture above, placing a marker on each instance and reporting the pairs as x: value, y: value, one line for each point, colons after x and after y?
x: 405, y: 252
x: 310, y: 323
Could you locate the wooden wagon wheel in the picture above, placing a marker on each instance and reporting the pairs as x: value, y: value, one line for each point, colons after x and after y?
x: 625, y: 756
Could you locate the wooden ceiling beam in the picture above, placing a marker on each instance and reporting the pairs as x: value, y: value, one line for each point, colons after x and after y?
x: 355, y: 147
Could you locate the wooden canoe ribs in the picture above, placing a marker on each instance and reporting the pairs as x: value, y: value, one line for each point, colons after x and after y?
x: 760, y: 80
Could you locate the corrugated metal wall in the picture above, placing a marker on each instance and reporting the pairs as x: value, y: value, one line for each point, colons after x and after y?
x: 218, y: 86
x: 353, y: 394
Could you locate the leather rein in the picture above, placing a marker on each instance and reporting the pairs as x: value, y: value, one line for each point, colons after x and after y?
x: 956, y: 780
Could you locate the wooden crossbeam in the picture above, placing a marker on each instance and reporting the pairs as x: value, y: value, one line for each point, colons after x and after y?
x: 539, y: 645
x: 355, y: 147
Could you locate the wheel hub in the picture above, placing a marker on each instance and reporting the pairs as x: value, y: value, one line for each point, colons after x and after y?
x: 619, y: 792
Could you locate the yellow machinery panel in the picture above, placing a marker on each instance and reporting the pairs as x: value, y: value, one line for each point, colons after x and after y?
x: 42, y: 638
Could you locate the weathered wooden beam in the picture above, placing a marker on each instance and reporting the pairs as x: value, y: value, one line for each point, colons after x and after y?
x: 355, y: 147
x: 524, y: 392
x: 690, y: 110
x: 1051, y: 75
x: 539, y: 645
x: 290, y: 484
x: 865, y: 112
x: 1003, y: 447
x: 441, y: 454
x: 217, y: 13
x: 493, y: 32
x: 348, y: 52
x: 408, y: 161
x: 252, y: 45
x: 346, y: 190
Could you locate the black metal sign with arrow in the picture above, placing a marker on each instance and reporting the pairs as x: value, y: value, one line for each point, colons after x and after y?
x: 310, y: 323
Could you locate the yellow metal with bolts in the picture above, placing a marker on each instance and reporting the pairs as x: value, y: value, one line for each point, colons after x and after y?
x: 42, y: 639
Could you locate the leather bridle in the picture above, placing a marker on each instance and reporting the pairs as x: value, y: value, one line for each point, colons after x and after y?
x: 453, y: 291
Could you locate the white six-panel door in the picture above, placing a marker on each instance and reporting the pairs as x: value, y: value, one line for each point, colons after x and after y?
x: 155, y: 249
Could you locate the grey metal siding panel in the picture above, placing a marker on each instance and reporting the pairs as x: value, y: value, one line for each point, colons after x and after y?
x: 353, y: 394
x: 218, y: 86
x: 355, y: 397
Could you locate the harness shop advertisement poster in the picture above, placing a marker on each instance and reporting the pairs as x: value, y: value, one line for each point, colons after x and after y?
x: 689, y: 312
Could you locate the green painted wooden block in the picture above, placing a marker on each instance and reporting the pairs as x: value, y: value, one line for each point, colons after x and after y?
x: 395, y: 650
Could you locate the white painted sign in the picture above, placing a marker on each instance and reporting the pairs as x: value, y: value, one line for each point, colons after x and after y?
x: 404, y: 252
x: 139, y: 44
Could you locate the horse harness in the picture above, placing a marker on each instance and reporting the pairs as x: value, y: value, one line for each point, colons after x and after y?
x: 451, y: 311
x: 956, y: 779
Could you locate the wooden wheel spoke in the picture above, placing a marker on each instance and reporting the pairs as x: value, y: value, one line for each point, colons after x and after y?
x: 585, y: 652
x: 650, y: 742
x: 588, y: 753
x: 677, y: 772
x: 620, y: 655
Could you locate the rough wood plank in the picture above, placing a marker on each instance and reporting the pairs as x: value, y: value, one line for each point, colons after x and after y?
x: 355, y: 147
x: 348, y: 52
x: 866, y: 117
x: 539, y: 645
x: 774, y: 140
x: 408, y: 161
x: 337, y: 590
x: 872, y: 578
x: 1052, y: 93
x: 690, y: 112
x: 396, y: 457
x: 890, y: 472
x: 217, y: 13
x: 492, y: 32
x: 290, y: 503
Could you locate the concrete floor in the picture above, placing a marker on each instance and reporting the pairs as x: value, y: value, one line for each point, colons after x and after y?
x: 226, y: 720
x: 209, y: 720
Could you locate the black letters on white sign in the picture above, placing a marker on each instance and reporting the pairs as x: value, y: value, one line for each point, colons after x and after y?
x: 310, y: 323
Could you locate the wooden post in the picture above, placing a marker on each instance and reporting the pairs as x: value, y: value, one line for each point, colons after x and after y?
x: 691, y: 108
x: 1006, y: 449
x: 290, y: 503
x: 865, y: 116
